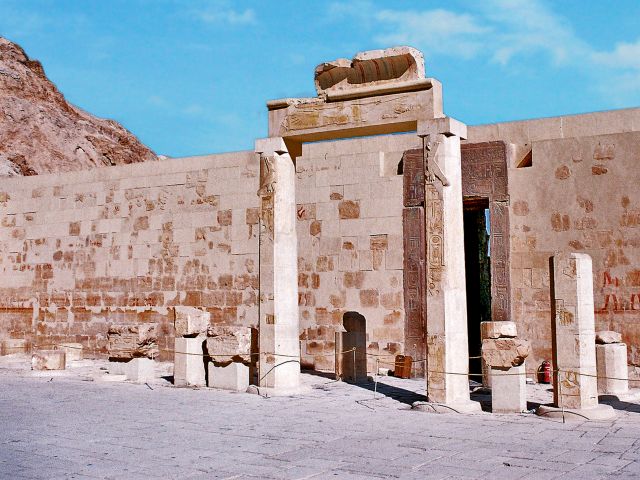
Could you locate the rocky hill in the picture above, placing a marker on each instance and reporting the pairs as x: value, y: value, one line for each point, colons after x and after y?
x: 40, y: 132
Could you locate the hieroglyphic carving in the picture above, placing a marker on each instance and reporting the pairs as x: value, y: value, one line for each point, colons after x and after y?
x: 484, y: 175
x: 414, y: 278
x: 484, y: 170
x: 413, y: 178
x: 435, y: 239
x: 266, y: 191
x: 268, y: 175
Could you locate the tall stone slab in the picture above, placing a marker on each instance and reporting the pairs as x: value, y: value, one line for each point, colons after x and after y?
x: 446, y: 305
x: 574, y: 343
x: 279, y: 343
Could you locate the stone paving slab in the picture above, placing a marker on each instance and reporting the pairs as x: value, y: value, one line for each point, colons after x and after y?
x: 77, y: 426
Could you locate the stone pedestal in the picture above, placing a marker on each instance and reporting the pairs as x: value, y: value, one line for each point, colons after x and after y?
x: 234, y: 376
x: 73, y: 351
x: 447, y: 348
x: 279, y: 341
x: 508, y: 389
x: 188, y: 362
x: 9, y: 346
x: 574, y: 353
x: 139, y: 370
x: 48, y: 360
x: 613, y: 374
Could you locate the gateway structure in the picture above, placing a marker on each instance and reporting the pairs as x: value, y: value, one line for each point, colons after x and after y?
x: 365, y: 202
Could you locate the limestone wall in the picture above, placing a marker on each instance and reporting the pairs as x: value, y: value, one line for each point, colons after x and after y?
x: 580, y: 194
x: 350, y: 243
x: 121, y: 244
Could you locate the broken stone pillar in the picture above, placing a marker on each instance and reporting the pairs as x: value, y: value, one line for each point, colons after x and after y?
x: 10, y: 346
x: 447, y: 348
x: 73, y: 351
x: 502, y: 329
x: 189, y: 362
x: 48, y: 360
x: 279, y: 324
x: 574, y: 353
x: 611, y: 363
x: 229, y: 350
x: 504, y: 356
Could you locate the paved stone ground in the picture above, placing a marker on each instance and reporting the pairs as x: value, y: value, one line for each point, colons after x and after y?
x: 76, y: 425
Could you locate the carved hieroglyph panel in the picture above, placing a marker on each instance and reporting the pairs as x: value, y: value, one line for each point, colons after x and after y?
x: 435, y: 240
x: 484, y: 175
x: 414, y: 279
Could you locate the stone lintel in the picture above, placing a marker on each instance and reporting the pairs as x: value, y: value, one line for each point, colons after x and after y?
x: 313, y: 119
x: 447, y: 126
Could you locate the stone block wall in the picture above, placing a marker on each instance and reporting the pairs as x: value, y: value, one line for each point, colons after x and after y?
x: 350, y: 248
x: 580, y: 194
x: 123, y: 244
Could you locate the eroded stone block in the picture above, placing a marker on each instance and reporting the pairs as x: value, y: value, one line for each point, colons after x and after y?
x: 138, y: 370
x: 48, y: 360
x: 226, y: 344
x: 608, y: 336
x: 369, y: 70
x: 132, y: 341
x: 73, y: 351
x: 505, y: 352
x: 613, y: 373
x: 234, y: 376
x: 189, y: 365
x: 508, y: 389
x: 190, y: 321
x: 498, y: 330
x: 9, y: 346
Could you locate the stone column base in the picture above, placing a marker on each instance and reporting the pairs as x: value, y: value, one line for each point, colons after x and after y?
x: 600, y: 412
x: 467, y: 407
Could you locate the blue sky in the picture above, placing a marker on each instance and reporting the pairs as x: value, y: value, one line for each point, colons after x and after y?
x: 192, y: 77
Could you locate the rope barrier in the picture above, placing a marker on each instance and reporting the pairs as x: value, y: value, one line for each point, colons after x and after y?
x: 296, y: 358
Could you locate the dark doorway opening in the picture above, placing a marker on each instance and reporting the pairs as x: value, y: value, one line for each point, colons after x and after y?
x: 478, y: 274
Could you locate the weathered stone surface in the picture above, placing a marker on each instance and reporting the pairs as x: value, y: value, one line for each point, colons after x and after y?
x: 139, y: 370
x: 505, y: 352
x: 9, y: 346
x: 613, y: 373
x: 40, y: 132
x: 498, y: 330
x: 508, y: 389
x: 190, y: 321
x: 234, y: 376
x: 575, y: 384
x: 48, y: 360
x: 229, y: 344
x: 73, y: 351
x: 189, y: 365
x: 371, y: 69
x: 608, y: 336
x: 132, y: 341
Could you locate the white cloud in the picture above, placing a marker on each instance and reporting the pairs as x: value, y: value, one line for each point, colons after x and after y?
x: 221, y: 13
x: 442, y: 30
x: 624, y: 55
x: 506, y: 32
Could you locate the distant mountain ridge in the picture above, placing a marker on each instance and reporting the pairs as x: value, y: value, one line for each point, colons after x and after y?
x: 40, y: 132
